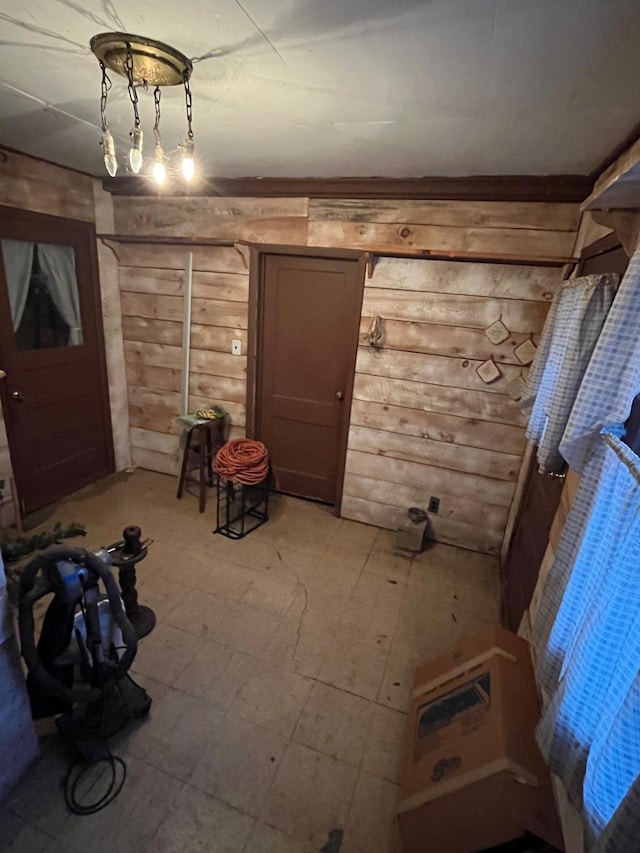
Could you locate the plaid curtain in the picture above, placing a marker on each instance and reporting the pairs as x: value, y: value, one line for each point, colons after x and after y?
x: 612, y: 379
x: 588, y: 626
x: 573, y: 326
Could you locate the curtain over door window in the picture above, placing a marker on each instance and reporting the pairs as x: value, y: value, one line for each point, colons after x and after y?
x: 43, y: 294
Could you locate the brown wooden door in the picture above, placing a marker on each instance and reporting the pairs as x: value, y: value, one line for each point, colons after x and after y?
x: 530, y: 537
x: 55, y: 395
x: 310, y: 315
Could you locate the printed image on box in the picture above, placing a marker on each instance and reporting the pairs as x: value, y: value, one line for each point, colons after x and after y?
x: 445, y: 710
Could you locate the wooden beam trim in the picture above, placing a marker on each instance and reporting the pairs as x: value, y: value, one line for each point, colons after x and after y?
x: 168, y: 241
x: 617, y: 170
x: 550, y: 188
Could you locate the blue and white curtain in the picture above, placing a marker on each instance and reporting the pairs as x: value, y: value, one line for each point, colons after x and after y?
x: 573, y: 326
x: 588, y: 626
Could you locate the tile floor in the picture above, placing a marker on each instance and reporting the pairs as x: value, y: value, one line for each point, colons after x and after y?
x: 279, y: 671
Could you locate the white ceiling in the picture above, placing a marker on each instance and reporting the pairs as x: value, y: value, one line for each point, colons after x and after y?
x: 327, y: 88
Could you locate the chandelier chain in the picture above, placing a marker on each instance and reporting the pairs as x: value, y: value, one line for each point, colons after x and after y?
x: 104, y: 92
x: 157, y: 94
x: 133, y: 94
x: 188, y: 101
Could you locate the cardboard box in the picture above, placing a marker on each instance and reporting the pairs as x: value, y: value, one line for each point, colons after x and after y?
x: 473, y: 776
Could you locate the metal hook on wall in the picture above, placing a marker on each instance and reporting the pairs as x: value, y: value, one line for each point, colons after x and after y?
x: 375, y: 334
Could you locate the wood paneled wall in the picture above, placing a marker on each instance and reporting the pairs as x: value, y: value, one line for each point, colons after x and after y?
x: 152, y: 280
x: 523, y: 229
x: 423, y: 423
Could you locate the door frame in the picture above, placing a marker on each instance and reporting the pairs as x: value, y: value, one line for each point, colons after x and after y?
x: 257, y: 255
x: 86, y: 235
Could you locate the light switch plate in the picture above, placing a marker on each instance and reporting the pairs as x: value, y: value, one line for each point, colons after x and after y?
x: 236, y: 347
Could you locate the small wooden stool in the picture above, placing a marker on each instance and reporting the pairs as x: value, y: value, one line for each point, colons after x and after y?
x: 202, y: 442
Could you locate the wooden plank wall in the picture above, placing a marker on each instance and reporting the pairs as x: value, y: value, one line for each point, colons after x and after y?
x: 29, y: 184
x: 524, y: 229
x: 422, y: 420
x: 152, y: 297
x: 423, y: 423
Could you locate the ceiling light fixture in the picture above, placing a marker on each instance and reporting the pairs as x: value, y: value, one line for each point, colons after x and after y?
x: 144, y: 62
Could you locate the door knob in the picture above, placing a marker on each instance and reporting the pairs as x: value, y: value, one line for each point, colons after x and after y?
x: 339, y: 395
x: 17, y: 395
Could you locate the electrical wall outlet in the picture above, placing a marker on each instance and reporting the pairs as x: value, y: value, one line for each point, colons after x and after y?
x: 434, y: 505
x: 236, y: 347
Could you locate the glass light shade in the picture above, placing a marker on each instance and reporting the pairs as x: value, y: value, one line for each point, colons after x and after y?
x: 110, y: 161
x: 188, y: 165
x: 159, y: 169
x: 135, y: 154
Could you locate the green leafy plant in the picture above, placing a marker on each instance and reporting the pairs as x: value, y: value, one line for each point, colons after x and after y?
x: 15, y: 549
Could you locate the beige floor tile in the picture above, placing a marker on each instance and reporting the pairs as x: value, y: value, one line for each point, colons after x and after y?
x: 372, y: 815
x: 318, y: 606
x: 180, y: 565
x: 155, y: 689
x: 56, y: 846
x: 196, y: 821
x: 387, y: 565
x: 372, y: 624
x: 307, y: 595
x: 353, y: 665
x: 199, y: 613
x: 345, y: 553
x: 240, y: 764
x: 299, y: 566
x: 424, y: 628
x: 310, y: 795
x: 265, y: 839
x: 308, y: 527
x: 217, y: 674
x: 335, y: 723
x: 160, y: 594
x: 247, y: 628
x: 385, y: 743
x: 250, y: 553
x: 478, y: 586
x: 435, y: 578
x: 379, y: 591
x: 397, y: 683
x: 131, y: 821
x: 37, y: 799
x: 270, y: 593
x: 469, y: 619
x: 18, y: 836
x: 226, y: 579
x: 273, y: 700
x: 330, y: 576
x: 178, y: 729
x: 356, y: 533
x: 165, y: 653
x: 299, y: 645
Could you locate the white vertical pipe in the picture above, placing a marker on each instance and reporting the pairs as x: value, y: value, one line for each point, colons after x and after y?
x: 186, y: 332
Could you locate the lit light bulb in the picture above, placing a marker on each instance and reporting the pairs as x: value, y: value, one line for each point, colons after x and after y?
x: 135, y: 154
x: 188, y: 166
x: 109, y: 146
x: 159, y: 169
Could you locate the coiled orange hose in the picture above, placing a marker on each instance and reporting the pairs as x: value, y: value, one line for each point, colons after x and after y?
x: 242, y: 461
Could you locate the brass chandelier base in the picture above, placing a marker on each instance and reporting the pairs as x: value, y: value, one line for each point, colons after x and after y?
x: 154, y: 63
